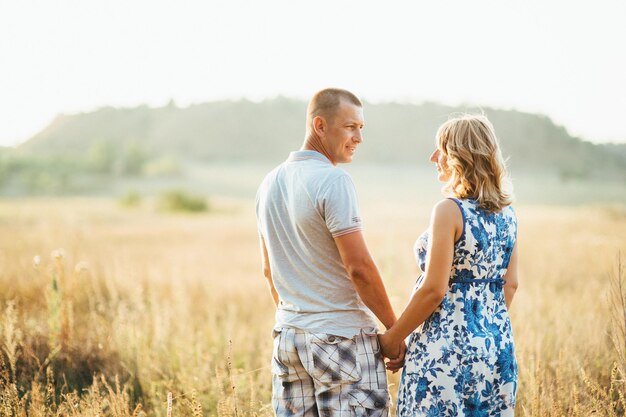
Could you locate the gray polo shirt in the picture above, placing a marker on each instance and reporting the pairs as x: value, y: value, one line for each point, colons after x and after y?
x: 301, y: 206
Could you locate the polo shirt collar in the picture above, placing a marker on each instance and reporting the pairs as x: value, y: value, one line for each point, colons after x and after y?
x: 304, y: 155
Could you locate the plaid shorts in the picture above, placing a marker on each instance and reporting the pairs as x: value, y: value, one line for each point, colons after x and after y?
x: 319, y: 374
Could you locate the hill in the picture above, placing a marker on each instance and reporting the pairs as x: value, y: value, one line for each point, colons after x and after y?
x: 240, y: 131
x: 109, y: 149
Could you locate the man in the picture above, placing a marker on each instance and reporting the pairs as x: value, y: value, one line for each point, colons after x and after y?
x: 326, y: 359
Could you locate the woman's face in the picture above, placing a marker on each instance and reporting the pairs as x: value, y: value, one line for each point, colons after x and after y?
x: 441, y: 161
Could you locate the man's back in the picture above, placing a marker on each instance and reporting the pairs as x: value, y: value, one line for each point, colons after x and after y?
x: 302, y: 205
x: 326, y: 358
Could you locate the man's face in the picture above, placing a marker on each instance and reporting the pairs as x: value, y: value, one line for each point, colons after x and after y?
x: 344, y: 132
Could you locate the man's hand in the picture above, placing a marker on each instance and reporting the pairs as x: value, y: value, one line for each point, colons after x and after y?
x: 392, y: 349
x: 389, y: 347
x: 394, y: 365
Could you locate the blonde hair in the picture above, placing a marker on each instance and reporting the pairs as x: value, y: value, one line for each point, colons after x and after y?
x: 477, y: 168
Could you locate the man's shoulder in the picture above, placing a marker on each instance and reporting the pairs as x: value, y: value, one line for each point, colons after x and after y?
x: 333, y: 173
x: 338, y: 176
x: 267, y: 181
x: 310, y: 175
x: 272, y: 174
x: 328, y: 179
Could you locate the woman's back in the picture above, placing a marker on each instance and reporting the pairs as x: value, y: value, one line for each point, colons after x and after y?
x: 485, y: 246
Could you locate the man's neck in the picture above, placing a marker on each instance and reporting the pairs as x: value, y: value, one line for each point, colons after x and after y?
x: 314, y: 143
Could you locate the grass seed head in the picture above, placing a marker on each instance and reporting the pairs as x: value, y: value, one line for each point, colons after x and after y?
x: 58, y: 254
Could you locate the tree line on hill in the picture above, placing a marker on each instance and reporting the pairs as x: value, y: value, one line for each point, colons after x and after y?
x: 152, y: 142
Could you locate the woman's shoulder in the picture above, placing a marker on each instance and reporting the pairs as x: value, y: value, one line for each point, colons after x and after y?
x: 448, y: 209
x: 447, y: 205
x: 464, y: 205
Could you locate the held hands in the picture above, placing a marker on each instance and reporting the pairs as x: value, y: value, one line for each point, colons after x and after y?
x: 392, y: 349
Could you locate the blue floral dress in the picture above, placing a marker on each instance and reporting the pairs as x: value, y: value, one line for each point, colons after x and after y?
x: 461, y: 361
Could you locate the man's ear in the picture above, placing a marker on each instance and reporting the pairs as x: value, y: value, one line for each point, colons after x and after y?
x: 319, y: 125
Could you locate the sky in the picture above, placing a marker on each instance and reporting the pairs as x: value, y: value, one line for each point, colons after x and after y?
x: 564, y: 59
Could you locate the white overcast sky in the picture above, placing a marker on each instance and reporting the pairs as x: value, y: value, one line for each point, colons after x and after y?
x: 566, y: 59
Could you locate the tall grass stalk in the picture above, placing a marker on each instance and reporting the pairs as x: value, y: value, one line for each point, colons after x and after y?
x: 168, y: 315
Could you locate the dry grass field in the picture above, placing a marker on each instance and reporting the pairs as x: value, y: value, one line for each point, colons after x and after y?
x: 105, y: 310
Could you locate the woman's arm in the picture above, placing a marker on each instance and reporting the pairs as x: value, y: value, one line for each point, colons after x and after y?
x: 511, y: 278
x: 446, y: 223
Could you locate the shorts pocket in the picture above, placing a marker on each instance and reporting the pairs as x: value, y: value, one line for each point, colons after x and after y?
x: 372, y: 339
x: 278, y: 367
x: 370, y: 402
x: 333, y: 359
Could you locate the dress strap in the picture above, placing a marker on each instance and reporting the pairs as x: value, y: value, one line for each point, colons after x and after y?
x: 460, y: 205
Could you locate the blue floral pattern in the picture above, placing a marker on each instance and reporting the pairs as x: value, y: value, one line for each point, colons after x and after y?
x: 461, y: 361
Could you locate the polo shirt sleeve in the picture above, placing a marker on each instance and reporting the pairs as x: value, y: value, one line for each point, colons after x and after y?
x: 341, y: 209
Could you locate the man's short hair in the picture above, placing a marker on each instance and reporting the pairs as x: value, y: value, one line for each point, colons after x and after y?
x: 325, y: 103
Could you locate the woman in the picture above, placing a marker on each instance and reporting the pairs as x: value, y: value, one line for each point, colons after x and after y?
x: 460, y: 361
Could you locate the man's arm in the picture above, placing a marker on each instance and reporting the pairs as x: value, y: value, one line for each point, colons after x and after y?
x: 365, y: 276
x: 267, y: 272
